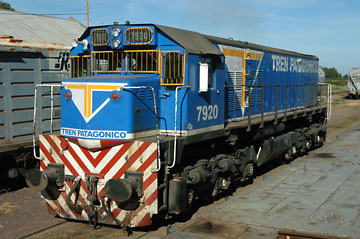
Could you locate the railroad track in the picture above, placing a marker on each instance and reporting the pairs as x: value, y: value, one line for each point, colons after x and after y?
x: 72, y: 229
x: 43, y: 230
x: 301, y: 235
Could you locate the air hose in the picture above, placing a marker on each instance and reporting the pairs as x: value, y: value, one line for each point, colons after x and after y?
x: 108, y: 212
x: 91, y: 184
x: 77, y: 208
x: 93, y: 218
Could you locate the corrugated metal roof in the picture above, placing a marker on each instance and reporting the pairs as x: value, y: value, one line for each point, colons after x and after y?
x: 39, y: 28
x: 197, y: 43
x: 193, y: 42
x: 243, y: 44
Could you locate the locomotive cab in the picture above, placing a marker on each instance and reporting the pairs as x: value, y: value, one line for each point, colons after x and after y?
x: 131, y: 77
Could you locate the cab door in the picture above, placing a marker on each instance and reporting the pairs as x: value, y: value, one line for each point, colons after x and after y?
x: 208, y: 102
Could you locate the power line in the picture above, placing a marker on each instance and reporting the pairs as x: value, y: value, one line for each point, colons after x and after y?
x: 94, y: 6
x: 62, y: 14
x: 45, y: 14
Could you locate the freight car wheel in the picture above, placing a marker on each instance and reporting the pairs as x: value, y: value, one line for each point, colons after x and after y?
x: 10, y: 184
x: 10, y: 178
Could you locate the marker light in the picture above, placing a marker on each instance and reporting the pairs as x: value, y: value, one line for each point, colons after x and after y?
x: 115, y: 31
x: 115, y: 96
x: 67, y: 95
x: 64, y: 144
x: 115, y: 43
x: 75, y: 43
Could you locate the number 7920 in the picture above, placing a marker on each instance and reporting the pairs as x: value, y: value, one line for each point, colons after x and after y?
x: 207, y: 112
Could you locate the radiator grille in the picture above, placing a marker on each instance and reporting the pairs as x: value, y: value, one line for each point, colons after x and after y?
x: 100, y: 37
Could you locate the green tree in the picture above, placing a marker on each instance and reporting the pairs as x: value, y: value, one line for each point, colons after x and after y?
x: 331, y: 72
x: 4, y: 5
x: 333, y: 77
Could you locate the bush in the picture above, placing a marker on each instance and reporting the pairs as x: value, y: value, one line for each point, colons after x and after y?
x: 338, y: 81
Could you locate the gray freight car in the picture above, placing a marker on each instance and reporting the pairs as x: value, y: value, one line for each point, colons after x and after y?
x: 353, y: 83
x: 22, y: 67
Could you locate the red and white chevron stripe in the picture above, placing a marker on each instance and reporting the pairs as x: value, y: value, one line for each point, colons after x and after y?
x: 95, y: 145
x: 106, y: 164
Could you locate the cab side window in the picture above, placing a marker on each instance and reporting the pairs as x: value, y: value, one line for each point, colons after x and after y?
x: 173, y: 63
x: 211, y: 71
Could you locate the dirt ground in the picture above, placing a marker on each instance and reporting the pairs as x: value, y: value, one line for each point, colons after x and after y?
x: 23, y: 212
x: 345, y: 115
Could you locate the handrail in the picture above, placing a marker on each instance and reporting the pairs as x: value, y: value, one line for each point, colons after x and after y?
x: 156, y: 122
x: 51, y: 112
x: 329, y: 99
x: 307, y: 93
x: 52, y: 108
x: 175, y: 130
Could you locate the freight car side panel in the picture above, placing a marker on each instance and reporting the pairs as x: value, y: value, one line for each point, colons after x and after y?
x: 20, y: 70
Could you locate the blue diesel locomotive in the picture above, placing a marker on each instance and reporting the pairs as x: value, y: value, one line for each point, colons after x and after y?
x: 154, y: 117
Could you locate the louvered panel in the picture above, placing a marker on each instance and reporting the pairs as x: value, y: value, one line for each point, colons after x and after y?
x: 234, y: 91
x: 238, y: 87
x: 141, y: 94
x: 149, y: 94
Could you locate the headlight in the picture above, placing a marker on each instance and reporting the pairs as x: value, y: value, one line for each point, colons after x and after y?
x: 115, y: 43
x: 115, y: 31
x: 85, y: 44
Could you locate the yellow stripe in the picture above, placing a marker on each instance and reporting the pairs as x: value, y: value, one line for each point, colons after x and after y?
x: 103, y: 87
x: 240, y: 53
x: 86, y: 105
x: 88, y: 89
x: 232, y: 52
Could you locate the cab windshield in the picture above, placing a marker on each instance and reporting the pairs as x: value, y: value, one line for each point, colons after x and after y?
x: 170, y: 65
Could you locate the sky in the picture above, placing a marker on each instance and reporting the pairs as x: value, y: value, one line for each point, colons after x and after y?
x: 329, y: 29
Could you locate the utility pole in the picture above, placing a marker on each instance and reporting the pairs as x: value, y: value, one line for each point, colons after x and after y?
x: 87, y: 10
